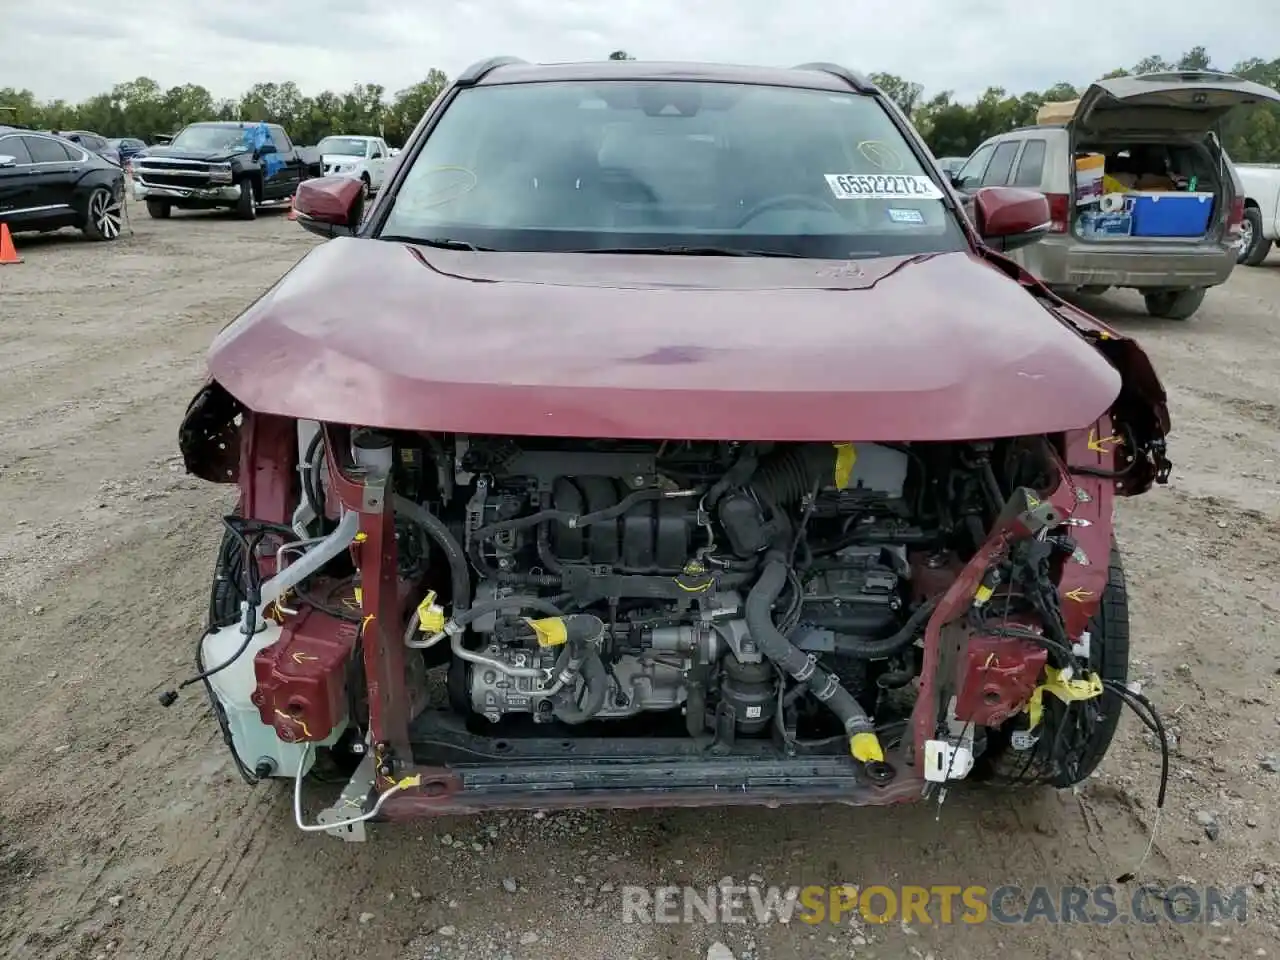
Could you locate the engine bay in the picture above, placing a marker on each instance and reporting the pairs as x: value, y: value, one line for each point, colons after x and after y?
x: 650, y: 598
x: 666, y: 558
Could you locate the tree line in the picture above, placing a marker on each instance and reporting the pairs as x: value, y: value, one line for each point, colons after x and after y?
x: 952, y: 127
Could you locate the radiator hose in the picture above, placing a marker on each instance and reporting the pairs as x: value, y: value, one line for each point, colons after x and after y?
x: 863, y: 742
x: 435, y: 528
x: 595, y: 678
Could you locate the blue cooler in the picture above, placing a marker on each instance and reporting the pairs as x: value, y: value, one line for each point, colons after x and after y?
x: 1171, y: 214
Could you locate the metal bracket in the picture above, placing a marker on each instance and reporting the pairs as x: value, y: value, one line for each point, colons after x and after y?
x: 355, y: 798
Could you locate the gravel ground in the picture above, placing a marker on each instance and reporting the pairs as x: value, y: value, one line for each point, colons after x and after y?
x: 124, y: 832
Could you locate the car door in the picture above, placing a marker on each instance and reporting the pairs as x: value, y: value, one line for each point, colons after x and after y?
x: 56, y: 167
x: 284, y: 176
x: 1030, y: 169
x: 17, y: 185
x: 378, y: 159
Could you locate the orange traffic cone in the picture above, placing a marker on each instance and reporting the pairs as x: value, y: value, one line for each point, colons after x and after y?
x: 293, y: 213
x: 8, y: 252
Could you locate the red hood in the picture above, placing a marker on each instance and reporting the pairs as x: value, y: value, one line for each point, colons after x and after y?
x: 934, y: 348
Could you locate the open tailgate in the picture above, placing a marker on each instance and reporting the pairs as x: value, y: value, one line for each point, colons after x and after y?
x: 1185, y: 102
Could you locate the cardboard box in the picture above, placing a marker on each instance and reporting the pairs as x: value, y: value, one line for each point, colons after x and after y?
x: 1090, y: 169
x: 1056, y: 113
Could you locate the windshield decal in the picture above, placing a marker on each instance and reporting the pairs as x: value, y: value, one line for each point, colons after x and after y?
x: 882, y: 155
x: 906, y: 216
x: 866, y: 186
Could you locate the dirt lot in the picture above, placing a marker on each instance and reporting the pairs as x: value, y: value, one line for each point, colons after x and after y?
x: 124, y: 832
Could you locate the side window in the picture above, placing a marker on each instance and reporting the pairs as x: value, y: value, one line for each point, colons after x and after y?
x: 1001, y: 163
x: 280, y: 139
x: 44, y: 150
x: 970, y: 175
x: 14, y: 147
x: 1031, y: 166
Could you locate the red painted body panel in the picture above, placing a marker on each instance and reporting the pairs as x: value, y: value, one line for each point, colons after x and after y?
x: 302, y: 677
x: 995, y: 677
x: 385, y: 334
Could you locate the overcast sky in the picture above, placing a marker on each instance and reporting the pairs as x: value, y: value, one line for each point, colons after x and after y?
x: 75, y: 48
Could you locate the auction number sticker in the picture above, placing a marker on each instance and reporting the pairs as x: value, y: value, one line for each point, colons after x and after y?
x: 882, y: 186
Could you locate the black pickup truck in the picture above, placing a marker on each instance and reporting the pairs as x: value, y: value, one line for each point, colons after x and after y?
x: 231, y: 165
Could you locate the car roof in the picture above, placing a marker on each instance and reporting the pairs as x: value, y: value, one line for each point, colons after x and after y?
x: 232, y: 124
x: 813, y: 76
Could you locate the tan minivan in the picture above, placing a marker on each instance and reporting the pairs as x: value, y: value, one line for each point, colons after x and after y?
x: 1153, y: 135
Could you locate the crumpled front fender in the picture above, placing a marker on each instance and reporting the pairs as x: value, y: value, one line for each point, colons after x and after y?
x: 1141, y: 410
x: 209, y: 436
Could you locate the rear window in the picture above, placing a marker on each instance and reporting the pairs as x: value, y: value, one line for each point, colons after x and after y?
x: 44, y: 150
x: 1001, y: 163
x: 1030, y: 165
x: 643, y: 164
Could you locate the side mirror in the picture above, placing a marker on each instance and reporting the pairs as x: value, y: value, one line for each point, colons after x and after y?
x: 330, y: 206
x: 7, y: 161
x: 1009, y: 217
x: 266, y: 148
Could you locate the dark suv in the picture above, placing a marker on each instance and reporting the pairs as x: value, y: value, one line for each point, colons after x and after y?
x: 94, y: 143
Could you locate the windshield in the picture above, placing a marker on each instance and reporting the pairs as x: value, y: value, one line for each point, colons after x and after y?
x: 671, y: 164
x: 346, y: 146
x: 211, y: 137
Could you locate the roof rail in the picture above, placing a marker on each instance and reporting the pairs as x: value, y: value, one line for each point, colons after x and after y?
x: 477, y: 71
x: 852, y: 78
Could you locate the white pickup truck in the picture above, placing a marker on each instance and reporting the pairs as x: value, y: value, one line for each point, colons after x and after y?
x: 1261, y: 227
x: 365, y: 158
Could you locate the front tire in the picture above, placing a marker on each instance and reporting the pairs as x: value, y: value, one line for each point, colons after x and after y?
x: 103, y: 215
x: 247, y: 205
x: 159, y: 209
x: 1254, y: 246
x: 1174, y: 304
x: 365, y: 189
x: 1109, y: 658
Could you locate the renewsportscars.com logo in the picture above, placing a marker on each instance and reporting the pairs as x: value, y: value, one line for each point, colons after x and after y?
x: 938, y: 904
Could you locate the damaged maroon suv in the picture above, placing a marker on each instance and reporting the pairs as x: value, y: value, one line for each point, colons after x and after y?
x: 667, y: 434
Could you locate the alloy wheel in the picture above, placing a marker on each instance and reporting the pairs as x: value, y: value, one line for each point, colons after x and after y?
x: 1246, y: 238
x: 104, y: 211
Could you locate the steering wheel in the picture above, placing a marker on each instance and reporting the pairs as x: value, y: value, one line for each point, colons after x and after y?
x: 802, y: 201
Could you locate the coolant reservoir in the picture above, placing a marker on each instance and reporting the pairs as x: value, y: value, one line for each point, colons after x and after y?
x: 255, y: 742
x: 373, y: 451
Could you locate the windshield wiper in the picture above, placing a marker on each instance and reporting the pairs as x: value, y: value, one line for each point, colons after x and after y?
x: 444, y: 243
x: 705, y: 251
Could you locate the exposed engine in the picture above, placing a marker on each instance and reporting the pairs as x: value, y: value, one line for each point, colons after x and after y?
x: 720, y: 590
